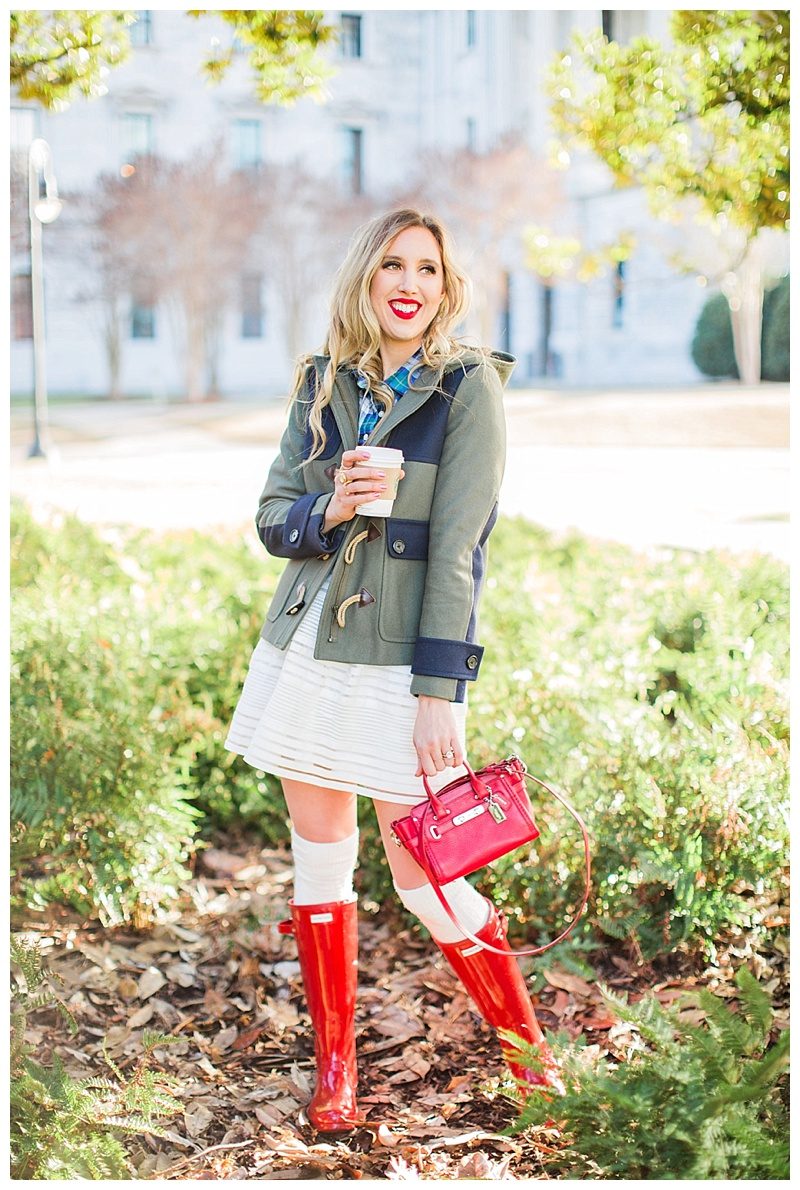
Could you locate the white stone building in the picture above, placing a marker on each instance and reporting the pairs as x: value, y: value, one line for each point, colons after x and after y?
x: 405, y: 82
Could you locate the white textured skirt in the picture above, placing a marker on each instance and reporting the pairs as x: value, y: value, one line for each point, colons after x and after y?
x: 342, y: 726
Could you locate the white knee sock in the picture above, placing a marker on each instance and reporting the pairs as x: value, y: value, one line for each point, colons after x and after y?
x: 323, y: 872
x: 467, y: 904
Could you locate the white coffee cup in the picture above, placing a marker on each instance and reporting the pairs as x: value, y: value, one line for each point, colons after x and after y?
x: 391, y: 461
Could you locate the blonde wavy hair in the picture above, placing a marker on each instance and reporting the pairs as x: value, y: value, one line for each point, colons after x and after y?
x: 354, y: 335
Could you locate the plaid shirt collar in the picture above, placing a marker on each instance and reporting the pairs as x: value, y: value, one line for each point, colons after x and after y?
x: 399, y: 382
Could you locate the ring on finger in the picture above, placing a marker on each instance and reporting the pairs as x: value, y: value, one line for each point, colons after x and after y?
x: 343, y: 477
x: 448, y: 755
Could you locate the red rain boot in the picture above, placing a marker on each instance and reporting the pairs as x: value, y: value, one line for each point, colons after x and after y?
x: 327, y: 946
x: 498, y: 989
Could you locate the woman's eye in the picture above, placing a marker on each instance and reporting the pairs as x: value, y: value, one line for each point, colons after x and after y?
x: 391, y: 264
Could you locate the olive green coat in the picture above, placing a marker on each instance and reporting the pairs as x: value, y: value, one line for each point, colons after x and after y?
x: 411, y: 582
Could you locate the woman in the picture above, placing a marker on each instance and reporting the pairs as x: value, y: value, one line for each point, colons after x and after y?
x: 358, y: 685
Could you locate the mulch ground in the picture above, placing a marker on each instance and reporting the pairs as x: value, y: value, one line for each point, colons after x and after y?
x: 219, y: 977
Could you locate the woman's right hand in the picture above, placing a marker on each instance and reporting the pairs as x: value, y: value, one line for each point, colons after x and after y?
x: 363, y: 484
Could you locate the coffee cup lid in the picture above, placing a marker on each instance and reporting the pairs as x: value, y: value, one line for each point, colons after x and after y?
x: 387, y: 455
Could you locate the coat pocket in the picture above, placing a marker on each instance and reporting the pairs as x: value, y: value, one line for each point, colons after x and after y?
x: 407, y: 539
x: 405, y: 565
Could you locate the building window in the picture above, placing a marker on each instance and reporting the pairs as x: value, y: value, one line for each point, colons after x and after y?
x: 143, y: 320
x: 137, y: 135
x: 142, y: 29
x: 354, y: 160
x: 351, y: 35
x: 472, y: 28
x: 247, y: 144
x: 623, y: 24
x: 21, y: 307
x: 23, y: 129
x: 619, y: 294
x: 472, y: 135
x: 252, y: 307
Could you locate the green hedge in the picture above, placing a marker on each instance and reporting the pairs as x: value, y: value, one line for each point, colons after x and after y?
x: 712, y: 345
x: 651, y: 687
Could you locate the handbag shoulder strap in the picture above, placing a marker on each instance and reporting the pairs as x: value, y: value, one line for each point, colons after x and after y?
x: 528, y: 950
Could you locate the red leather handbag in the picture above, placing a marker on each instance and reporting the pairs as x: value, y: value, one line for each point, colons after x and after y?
x: 472, y: 821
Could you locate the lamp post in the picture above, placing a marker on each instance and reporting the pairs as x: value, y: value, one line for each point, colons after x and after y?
x: 41, y: 210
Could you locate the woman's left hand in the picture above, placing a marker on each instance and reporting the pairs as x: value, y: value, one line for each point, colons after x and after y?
x: 435, y: 736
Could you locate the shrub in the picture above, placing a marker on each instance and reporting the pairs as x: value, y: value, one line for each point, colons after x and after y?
x: 712, y: 345
x: 208, y: 600
x: 129, y: 653
x: 98, y: 819
x: 775, y: 361
x: 693, y: 1101
x: 68, y: 1129
x: 653, y: 690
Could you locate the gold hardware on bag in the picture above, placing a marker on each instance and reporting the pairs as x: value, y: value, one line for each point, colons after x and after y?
x: 495, y: 809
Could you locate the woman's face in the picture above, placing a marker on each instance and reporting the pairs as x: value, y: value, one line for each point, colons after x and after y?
x: 408, y: 288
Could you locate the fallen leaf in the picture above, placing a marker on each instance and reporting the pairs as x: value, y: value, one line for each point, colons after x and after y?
x: 184, y: 974
x: 197, y: 1119
x: 396, y: 1022
x: 141, y: 1016
x: 249, y: 968
x: 127, y: 987
x: 570, y: 983
x: 214, y: 1002
x: 225, y: 1038
x: 149, y: 982
x: 248, y: 1037
x: 286, y: 1144
x: 386, y: 1137
x: 268, y: 1114
x: 597, y: 1021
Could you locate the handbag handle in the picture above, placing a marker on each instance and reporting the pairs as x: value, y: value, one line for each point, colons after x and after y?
x: 485, y: 945
x: 438, y: 807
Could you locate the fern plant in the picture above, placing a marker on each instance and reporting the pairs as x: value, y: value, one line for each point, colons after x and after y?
x: 696, y: 1101
x: 64, y: 1128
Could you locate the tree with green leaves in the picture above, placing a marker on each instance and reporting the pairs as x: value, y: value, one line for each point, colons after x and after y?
x: 703, y: 122
x: 58, y: 54
x: 283, y: 48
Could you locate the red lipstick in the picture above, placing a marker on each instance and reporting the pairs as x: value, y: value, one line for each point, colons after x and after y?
x: 403, y: 309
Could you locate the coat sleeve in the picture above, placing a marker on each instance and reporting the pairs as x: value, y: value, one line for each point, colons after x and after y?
x: 464, y: 510
x: 290, y: 518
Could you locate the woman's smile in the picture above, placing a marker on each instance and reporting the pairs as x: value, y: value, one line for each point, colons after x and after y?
x: 405, y: 309
x: 406, y: 293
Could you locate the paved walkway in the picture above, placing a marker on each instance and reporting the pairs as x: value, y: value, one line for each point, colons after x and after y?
x: 705, y: 467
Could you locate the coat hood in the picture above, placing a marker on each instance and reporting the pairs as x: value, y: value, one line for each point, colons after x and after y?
x: 501, y: 361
